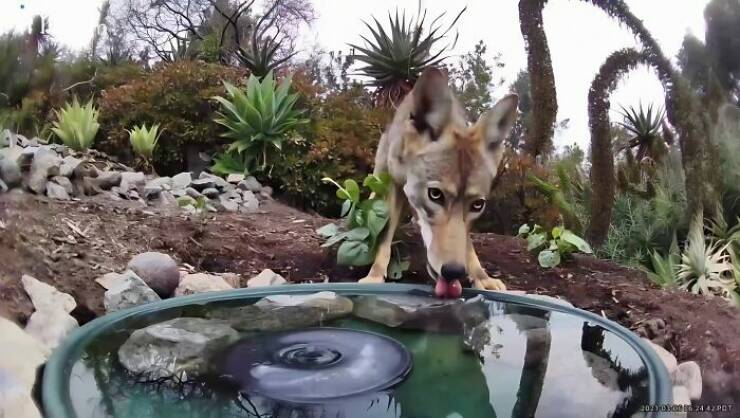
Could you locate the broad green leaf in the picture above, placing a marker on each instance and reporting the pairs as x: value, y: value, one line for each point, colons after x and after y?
x: 354, y: 253
x: 335, y: 239
x: 548, y: 259
x: 535, y: 241
x: 328, y: 230
x: 358, y: 234
x: 346, y: 207
x: 556, y: 231
x: 577, y: 241
x: 353, y: 189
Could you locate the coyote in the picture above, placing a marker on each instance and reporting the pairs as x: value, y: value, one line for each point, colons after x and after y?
x: 443, y: 167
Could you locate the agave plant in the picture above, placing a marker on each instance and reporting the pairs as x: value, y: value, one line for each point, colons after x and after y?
x: 77, y: 125
x: 395, y: 59
x: 259, y: 118
x: 229, y: 162
x: 261, y: 55
x: 645, y: 128
x: 144, y: 140
x: 703, y: 265
x: 665, y: 269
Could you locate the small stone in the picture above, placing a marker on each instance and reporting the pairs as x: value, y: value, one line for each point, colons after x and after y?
x: 201, y: 283
x: 159, y: 271
x: 251, y: 184
x: 131, y: 179
x: 668, y: 359
x: 202, y: 184
x: 50, y: 327
x: 232, y: 278
x: 68, y: 166
x: 155, y: 186
x: 193, y: 193
x: 65, y: 182
x: 250, y: 204
x: 128, y: 293
x: 228, y: 205
x: 179, y: 348
x: 211, y: 192
x: 217, y: 181
x: 10, y: 172
x: 55, y: 191
x: 234, y: 178
x: 110, y: 280
x: 108, y: 179
x: 181, y: 181
x: 266, y: 192
x: 166, y: 199
x: 680, y: 398
x: 688, y: 374
x: 266, y: 278
x: 46, y: 297
x: 45, y: 164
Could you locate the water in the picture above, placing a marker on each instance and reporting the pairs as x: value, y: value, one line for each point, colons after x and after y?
x: 534, y: 363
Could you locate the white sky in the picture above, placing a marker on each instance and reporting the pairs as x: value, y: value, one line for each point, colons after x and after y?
x: 580, y: 38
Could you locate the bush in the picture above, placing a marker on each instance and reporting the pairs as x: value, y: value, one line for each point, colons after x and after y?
x: 177, y: 97
x: 77, y: 125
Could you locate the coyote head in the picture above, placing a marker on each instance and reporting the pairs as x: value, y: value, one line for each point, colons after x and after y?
x: 446, y: 167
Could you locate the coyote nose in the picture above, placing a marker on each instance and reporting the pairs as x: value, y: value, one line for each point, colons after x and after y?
x: 453, y: 271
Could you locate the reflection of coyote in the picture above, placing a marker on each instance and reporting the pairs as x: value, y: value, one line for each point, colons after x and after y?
x: 443, y: 167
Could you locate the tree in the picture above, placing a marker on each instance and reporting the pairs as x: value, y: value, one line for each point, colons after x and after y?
x: 473, y: 79
x: 723, y: 42
x: 521, y: 87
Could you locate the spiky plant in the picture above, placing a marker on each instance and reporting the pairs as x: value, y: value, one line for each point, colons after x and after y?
x: 395, y: 58
x: 143, y: 141
x: 645, y: 127
x: 703, y: 264
x: 258, y: 119
x: 665, y: 268
x: 261, y: 56
x: 77, y: 125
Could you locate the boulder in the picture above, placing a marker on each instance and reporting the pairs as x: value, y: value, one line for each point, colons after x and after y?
x: 211, y: 192
x: 10, y: 172
x: 55, y: 191
x: 228, y: 205
x: 216, y: 180
x: 201, y: 283
x: 176, y: 348
x: 181, y: 181
x: 251, y: 184
x: 266, y: 278
x: 21, y: 355
x: 46, y: 297
x: 202, y: 184
x: 131, y: 179
x: 108, y: 179
x: 192, y: 193
x: 128, y: 293
x: 68, y: 166
x: 65, y: 182
x: 155, y: 186
x: 51, y: 327
x: 45, y: 164
x: 250, y: 203
x: 159, y: 271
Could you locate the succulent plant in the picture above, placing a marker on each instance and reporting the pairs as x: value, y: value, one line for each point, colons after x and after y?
x: 77, y: 125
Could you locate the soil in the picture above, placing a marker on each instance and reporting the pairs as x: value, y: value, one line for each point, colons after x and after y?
x: 69, y: 244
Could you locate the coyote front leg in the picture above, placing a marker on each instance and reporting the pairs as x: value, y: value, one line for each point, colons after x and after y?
x: 383, y: 256
x: 478, y: 275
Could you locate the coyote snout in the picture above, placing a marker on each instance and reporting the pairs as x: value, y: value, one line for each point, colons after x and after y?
x: 443, y: 167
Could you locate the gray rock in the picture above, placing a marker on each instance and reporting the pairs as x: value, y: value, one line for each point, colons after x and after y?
x: 250, y: 203
x: 669, y: 360
x: 51, y: 327
x: 131, y: 179
x: 266, y: 192
x: 217, y: 181
x: 398, y: 310
x: 202, y: 184
x: 251, y: 184
x: 688, y: 374
x: 266, y: 278
x: 21, y: 355
x: 211, y: 192
x: 128, y: 293
x: 46, y: 297
x: 10, y: 172
x: 68, y: 166
x: 55, y: 191
x: 681, y: 398
x: 155, y: 186
x: 165, y: 200
x: 159, y: 271
x: 15, y: 400
x: 64, y: 182
x: 110, y: 280
x: 192, y: 193
x: 201, y: 283
x: 176, y: 348
x: 228, y: 205
x: 108, y: 179
x: 181, y: 181
x: 234, y: 178
x: 283, y: 312
x: 45, y: 164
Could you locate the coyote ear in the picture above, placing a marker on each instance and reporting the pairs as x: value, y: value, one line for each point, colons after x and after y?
x: 495, y: 124
x: 432, y: 102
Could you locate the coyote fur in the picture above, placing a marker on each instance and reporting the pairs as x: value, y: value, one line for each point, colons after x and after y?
x: 442, y: 167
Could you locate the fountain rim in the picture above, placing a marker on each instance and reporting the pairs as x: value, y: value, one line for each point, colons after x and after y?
x: 56, y: 402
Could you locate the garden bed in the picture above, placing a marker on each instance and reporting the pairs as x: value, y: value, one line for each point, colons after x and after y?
x: 69, y: 244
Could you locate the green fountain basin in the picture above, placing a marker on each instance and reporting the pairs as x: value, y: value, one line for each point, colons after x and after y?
x: 494, y: 355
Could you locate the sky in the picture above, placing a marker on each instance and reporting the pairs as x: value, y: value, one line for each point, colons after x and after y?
x: 580, y: 38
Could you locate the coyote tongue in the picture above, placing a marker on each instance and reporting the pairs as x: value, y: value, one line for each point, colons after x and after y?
x: 451, y: 290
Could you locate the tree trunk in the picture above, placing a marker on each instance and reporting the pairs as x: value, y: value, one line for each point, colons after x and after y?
x: 539, y: 65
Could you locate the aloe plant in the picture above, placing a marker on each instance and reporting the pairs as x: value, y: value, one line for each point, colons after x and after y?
x: 665, y: 268
x: 258, y: 119
x: 77, y: 125
x: 704, y: 265
x: 395, y: 58
x: 144, y: 140
x: 645, y: 128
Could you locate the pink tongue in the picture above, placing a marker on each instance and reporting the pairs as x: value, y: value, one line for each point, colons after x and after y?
x: 442, y: 289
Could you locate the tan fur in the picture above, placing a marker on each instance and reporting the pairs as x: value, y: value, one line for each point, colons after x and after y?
x: 429, y: 144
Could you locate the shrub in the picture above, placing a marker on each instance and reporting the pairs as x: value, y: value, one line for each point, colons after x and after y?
x: 144, y: 141
x: 175, y: 96
x: 77, y: 125
x: 554, y: 245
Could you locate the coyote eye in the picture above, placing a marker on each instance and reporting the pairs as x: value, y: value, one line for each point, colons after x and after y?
x: 436, y: 195
x: 478, y: 205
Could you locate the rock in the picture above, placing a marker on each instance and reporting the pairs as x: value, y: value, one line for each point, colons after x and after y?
x: 234, y: 178
x: 50, y: 327
x: 232, y: 279
x: 89, y: 187
x: 395, y: 310
x: 46, y: 297
x: 16, y: 401
x: 110, y: 280
x: 108, y: 179
x: 181, y: 181
x: 175, y: 348
x: 250, y: 204
x: 131, y: 179
x: 21, y: 355
x: 266, y: 278
x: 688, y: 374
x: 217, y: 181
x: 55, y: 191
x: 192, y: 193
x: 266, y: 192
x: 211, y: 192
x: 251, y: 184
x: 668, y: 359
x: 166, y: 199
x: 681, y: 398
x: 65, y: 183
x: 10, y: 172
x: 128, y: 293
x: 155, y: 186
x: 201, y: 283
x: 283, y: 312
x: 45, y: 164
x: 68, y: 166
x: 202, y: 184
x: 159, y: 271
x: 228, y: 205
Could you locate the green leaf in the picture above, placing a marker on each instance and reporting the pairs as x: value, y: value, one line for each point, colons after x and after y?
x: 353, y: 190
x: 577, y: 242
x: 346, y: 208
x: 548, y: 259
x: 556, y: 231
x: 335, y: 239
x: 396, y: 268
x: 328, y: 230
x: 358, y: 234
x: 354, y: 253
x: 524, y: 230
x: 536, y: 241
x: 377, y: 217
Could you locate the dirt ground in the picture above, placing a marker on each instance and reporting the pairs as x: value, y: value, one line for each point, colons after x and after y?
x: 69, y: 244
